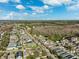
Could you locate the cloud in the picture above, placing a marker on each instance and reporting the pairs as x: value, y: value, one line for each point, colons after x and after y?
x: 74, y: 7
x: 25, y: 14
x: 45, y: 7
x: 34, y: 13
x: 10, y: 16
x: 20, y: 7
x: 39, y: 9
x: 55, y: 2
x: 14, y: 16
x: 1, y: 11
x: 16, y: 1
x: 4, y: 1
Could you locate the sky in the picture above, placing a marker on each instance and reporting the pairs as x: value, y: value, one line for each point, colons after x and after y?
x: 39, y: 9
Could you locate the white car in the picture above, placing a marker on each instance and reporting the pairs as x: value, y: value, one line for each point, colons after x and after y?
x: 28, y: 41
x: 19, y: 57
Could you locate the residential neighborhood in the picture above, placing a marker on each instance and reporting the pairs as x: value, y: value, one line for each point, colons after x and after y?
x: 19, y: 42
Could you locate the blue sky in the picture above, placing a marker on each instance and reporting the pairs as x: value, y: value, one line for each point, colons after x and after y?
x: 39, y: 9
